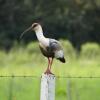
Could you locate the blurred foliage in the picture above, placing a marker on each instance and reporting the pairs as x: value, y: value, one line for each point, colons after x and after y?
x: 75, y: 20
x: 32, y: 47
x: 90, y: 51
x: 27, y: 60
x: 30, y: 53
x: 69, y: 51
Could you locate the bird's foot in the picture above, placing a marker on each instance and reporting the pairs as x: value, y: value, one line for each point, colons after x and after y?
x: 48, y: 72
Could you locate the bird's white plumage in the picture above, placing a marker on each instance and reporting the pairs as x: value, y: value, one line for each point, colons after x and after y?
x: 40, y: 36
x: 59, y: 54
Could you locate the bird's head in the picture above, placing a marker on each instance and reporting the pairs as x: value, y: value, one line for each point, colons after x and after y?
x: 35, y: 27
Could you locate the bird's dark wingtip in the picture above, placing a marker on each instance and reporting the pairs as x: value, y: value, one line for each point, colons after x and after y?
x: 62, y: 60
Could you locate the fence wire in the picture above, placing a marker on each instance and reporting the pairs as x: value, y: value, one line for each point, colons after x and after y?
x: 67, y: 87
x: 25, y: 76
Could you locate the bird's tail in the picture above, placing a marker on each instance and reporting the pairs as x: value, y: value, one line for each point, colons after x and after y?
x: 62, y: 60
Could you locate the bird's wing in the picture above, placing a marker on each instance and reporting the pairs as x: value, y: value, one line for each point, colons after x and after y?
x: 56, y: 48
x: 55, y: 45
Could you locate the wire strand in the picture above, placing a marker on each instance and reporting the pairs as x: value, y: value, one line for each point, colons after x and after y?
x: 31, y: 76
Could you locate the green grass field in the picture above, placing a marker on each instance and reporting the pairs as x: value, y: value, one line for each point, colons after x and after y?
x: 28, y: 61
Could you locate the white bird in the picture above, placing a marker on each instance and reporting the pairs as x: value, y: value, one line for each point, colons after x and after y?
x: 50, y: 48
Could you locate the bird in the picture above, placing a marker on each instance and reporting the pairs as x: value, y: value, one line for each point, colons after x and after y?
x: 50, y: 48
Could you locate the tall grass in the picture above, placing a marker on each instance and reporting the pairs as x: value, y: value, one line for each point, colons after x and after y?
x: 28, y: 60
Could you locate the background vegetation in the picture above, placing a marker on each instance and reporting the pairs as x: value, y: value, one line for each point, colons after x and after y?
x: 26, y: 61
x: 76, y: 23
x: 75, y: 20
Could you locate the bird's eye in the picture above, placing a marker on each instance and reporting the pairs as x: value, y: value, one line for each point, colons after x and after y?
x: 35, y: 25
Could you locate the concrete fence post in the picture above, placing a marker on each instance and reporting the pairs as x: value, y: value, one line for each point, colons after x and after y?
x: 47, y: 91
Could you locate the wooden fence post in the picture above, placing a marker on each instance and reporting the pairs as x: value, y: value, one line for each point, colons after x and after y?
x: 47, y: 87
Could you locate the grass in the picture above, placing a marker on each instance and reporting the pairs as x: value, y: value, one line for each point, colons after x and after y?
x: 29, y: 61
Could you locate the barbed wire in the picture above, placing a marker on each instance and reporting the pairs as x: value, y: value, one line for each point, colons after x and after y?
x: 32, y: 76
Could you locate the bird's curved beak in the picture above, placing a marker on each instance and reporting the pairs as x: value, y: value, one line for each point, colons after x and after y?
x: 28, y: 29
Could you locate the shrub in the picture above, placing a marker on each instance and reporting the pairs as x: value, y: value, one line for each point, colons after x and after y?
x: 90, y: 50
x: 68, y: 49
x: 33, y: 47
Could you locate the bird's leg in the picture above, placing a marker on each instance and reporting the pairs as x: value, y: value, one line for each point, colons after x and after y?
x: 48, y: 71
x: 51, y: 61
